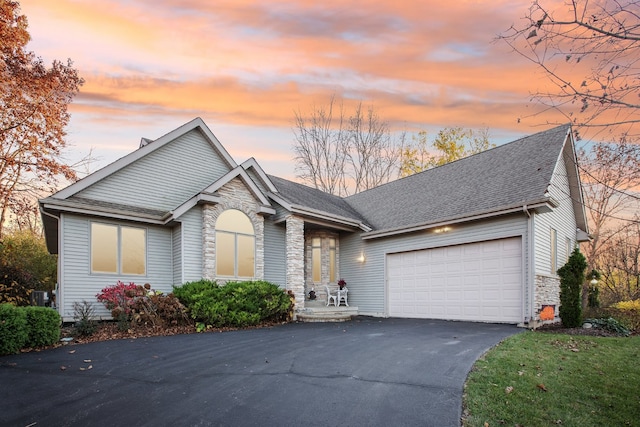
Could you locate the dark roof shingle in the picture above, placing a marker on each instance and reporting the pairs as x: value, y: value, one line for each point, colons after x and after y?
x: 312, y: 198
x: 515, y: 173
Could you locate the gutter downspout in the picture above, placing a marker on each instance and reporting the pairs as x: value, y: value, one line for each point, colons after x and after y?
x: 530, y: 278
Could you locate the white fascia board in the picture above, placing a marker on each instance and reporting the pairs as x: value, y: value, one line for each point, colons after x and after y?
x: 302, y: 210
x: 266, y: 210
x: 106, y: 214
x: 547, y: 203
x: 576, y: 184
x: 186, y: 206
x: 143, y: 151
x: 328, y: 217
x: 253, y: 164
x: 279, y: 200
x: 239, y: 172
x: 582, y: 236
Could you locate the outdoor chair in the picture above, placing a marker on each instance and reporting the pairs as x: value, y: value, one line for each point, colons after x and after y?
x: 331, y: 297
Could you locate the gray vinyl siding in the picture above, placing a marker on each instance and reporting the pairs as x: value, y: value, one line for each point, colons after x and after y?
x: 366, y: 281
x: 186, y: 166
x: 275, y: 253
x: 562, y: 219
x: 254, y: 177
x: 77, y: 281
x: 192, y: 244
x: 176, y: 245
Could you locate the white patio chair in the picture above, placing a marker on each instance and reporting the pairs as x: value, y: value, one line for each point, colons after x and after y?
x: 331, y: 297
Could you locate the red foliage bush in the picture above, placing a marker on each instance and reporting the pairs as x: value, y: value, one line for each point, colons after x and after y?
x: 142, y: 305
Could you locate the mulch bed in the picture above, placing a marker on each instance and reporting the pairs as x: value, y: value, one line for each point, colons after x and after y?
x: 558, y: 328
x: 110, y: 331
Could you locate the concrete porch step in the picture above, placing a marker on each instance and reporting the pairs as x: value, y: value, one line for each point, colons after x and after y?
x: 317, y: 311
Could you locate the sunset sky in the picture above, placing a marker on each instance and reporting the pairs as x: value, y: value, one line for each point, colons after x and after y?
x: 245, y: 66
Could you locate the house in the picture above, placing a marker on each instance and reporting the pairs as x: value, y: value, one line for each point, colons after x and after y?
x: 479, y: 239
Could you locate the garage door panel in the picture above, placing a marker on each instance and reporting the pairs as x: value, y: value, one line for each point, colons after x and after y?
x: 479, y: 281
x: 473, y: 265
x: 491, y: 264
x: 511, y: 245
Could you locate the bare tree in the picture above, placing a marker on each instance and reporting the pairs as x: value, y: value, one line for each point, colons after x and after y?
x: 343, y: 154
x: 590, y: 52
x: 610, y: 175
x: 620, y: 268
x: 322, y: 144
x: 373, y: 154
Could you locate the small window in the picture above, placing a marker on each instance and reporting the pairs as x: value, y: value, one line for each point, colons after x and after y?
x: 235, y: 245
x: 569, y: 250
x: 316, y: 259
x: 554, y: 251
x: 118, y: 249
x: 332, y: 260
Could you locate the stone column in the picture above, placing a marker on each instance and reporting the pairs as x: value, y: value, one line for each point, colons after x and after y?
x: 295, y: 259
x: 210, y: 215
x: 258, y: 225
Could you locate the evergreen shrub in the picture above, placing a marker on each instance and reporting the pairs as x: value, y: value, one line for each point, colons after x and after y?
x: 43, y: 326
x: 571, y: 280
x: 235, y: 304
x: 13, y: 329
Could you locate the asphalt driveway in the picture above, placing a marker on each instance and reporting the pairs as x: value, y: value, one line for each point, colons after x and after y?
x: 367, y: 372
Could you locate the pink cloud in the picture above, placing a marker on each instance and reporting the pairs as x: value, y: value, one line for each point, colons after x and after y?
x: 253, y: 63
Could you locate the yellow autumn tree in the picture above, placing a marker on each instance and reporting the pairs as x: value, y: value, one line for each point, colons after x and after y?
x: 450, y: 144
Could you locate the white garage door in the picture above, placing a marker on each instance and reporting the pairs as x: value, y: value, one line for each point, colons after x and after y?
x: 478, y: 282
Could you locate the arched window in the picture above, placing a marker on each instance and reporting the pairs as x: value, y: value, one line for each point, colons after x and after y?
x: 235, y: 245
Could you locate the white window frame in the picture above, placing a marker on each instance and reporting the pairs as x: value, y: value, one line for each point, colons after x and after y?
x: 316, y: 260
x: 236, y: 254
x: 333, y: 260
x: 119, y: 228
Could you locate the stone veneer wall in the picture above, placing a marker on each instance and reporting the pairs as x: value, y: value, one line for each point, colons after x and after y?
x: 321, y: 294
x: 547, y: 292
x: 234, y: 195
x: 295, y: 259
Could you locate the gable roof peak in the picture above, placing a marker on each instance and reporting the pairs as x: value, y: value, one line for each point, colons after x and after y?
x: 143, y: 150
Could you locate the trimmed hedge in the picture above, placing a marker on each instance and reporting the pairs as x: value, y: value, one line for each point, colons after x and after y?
x: 236, y: 303
x: 13, y: 329
x: 43, y: 325
x: 22, y: 327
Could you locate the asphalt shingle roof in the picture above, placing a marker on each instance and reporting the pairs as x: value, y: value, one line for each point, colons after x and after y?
x: 312, y: 198
x: 515, y: 173
x: 512, y: 174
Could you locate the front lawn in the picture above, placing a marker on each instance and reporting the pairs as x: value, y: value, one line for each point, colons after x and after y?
x: 545, y: 379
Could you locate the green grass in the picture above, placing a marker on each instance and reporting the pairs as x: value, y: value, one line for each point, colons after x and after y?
x: 589, y: 381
